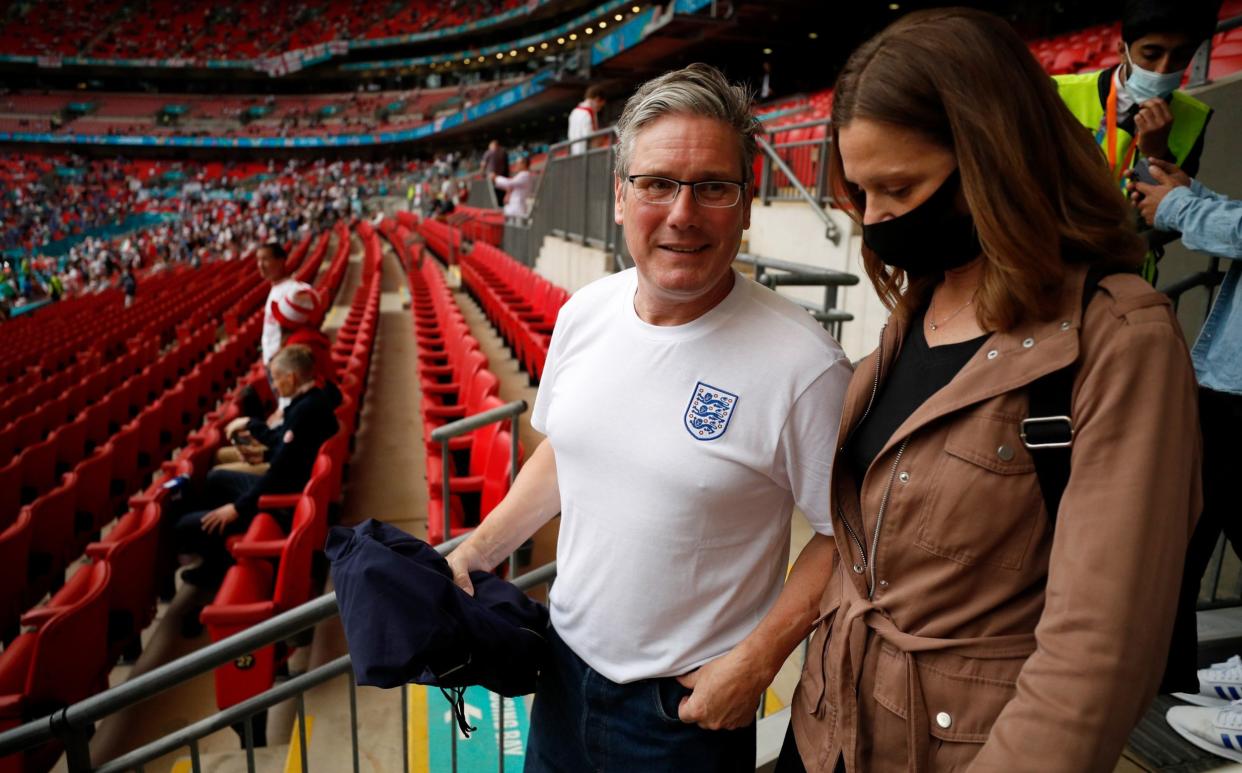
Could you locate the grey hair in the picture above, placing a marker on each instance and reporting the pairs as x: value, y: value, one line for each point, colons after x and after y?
x: 698, y: 89
x: 295, y: 359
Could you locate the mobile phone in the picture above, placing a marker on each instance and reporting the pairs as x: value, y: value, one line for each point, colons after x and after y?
x: 1142, y: 172
x: 242, y: 439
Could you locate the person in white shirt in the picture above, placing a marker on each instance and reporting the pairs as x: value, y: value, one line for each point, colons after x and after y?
x: 517, y: 188
x: 687, y: 410
x: 584, y: 119
x: 290, y: 304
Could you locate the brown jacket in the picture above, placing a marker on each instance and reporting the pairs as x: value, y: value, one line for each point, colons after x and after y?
x: 993, y: 641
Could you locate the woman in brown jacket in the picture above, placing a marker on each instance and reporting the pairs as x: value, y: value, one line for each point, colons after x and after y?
x: 963, y: 627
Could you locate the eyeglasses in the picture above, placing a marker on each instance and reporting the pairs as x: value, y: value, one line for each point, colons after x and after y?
x: 663, y: 190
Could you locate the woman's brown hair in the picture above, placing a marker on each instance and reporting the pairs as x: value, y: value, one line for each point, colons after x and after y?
x: 1035, y: 181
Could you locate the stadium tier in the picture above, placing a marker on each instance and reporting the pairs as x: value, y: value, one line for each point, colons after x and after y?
x: 163, y: 29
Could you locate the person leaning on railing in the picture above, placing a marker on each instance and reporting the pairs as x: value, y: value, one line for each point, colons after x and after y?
x: 1210, y: 223
x: 687, y: 409
x: 970, y: 622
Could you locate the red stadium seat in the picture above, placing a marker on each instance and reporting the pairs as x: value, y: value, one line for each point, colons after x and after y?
x: 132, y: 550
x: 14, y: 554
x: 487, y: 492
x: 38, y: 469
x: 53, y: 542
x: 49, y: 667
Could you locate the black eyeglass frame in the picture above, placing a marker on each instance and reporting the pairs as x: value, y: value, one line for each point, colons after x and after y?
x: 694, y: 191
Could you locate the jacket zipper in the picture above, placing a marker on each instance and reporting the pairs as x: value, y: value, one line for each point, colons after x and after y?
x: 879, y: 519
x: 875, y: 388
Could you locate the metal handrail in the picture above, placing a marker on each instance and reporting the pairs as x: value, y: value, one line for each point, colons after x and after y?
x: 1203, y: 57
x: 831, y: 230
x: 447, y: 432
x: 83, y: 714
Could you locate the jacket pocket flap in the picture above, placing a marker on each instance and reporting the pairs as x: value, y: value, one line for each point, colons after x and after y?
x: 962, y: 696
x: 991, y: 442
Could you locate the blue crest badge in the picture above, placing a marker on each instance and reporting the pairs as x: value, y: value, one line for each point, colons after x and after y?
x: 707, y: 416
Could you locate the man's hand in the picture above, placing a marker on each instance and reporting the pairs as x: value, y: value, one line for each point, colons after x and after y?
x: 215, y: 521
x: 1147, y: 197
x: 725, y: 693
x: 463, y: 561
x: 1154, y: 121
x: 235, y: 426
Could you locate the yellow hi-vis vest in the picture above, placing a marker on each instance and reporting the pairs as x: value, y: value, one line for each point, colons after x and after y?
x: 1081, y: 94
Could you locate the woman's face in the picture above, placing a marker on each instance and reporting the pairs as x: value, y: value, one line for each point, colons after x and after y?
x: 895, y: 168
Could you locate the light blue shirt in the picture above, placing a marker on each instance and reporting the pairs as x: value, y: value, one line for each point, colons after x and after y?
x: 1212, y: 223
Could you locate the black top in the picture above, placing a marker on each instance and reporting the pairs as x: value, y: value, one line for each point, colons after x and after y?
x: 918, y: 373
x: 292, y: 446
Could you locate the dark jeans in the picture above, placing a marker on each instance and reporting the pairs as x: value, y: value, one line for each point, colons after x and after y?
x: 221, y: 488
x: 1220, y: 420
x: 582, y: 722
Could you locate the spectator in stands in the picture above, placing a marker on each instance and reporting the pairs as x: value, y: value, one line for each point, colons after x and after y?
x: 517, y: 188
x: 230, y: 499
x: 689, y: 409
x: 946, y: 501
x: 1210, y: 223
x: 129, y: 284
x: 584, y: 119
x: 496, y: 164
x: 290, y: 303
x: 1135, y: 108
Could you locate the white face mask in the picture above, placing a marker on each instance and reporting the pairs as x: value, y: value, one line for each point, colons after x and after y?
x: 1145, y: 84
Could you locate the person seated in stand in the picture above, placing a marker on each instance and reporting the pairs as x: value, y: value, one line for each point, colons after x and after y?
x: 230, y: 498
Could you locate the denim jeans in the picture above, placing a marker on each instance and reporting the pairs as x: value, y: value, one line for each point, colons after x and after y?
x: 583, y: 722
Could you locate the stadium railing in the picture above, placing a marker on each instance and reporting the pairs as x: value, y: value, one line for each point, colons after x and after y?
x: 1201, y: 65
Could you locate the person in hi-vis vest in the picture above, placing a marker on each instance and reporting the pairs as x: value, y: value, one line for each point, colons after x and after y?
x: 1134, y: 108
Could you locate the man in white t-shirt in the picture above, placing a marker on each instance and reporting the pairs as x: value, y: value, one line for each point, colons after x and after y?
x: 690, y: 409
x: 584, y: 118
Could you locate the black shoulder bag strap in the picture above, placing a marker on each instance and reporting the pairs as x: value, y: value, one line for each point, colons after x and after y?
x: 1048, y: 432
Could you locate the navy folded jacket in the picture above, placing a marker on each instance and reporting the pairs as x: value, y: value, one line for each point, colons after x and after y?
x: 406, y: 621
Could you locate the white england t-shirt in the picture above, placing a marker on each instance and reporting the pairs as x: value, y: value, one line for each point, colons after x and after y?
x: 680, y: 452
x: 270, y: 339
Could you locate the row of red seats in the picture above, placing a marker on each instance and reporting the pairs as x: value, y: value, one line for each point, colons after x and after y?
x: 274, y: 570
x: 137, y: 562
x: 209, y: 296
x: 455, y: 382
x: 478, y: 224
x: 51, y: 342
x: 443, y: 239
x: 160, y: 308
x: 520, y: 303
x: 108, y: 601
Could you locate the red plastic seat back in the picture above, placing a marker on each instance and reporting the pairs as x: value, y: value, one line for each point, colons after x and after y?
x: 14, y: 555
x: 63, y: 671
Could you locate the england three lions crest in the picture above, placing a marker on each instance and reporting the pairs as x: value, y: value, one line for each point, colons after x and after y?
x: 707, y: 416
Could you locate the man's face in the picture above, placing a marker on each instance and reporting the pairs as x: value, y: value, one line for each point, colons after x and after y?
x: 683, y: 250
x: 271, y: 268
x: 1162, y: 52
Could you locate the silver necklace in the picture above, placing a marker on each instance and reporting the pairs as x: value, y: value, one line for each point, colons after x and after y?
x: 931, y: 312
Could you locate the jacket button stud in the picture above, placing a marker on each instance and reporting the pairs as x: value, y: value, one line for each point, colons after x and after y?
x: 904, y: 477
x: 1065, y: 325
x: 993, y: 354
x: 1028, y: 343
x: 1005, y: 453
x: 944, y: 720
x: 858, y: 569
x: 883, y: 583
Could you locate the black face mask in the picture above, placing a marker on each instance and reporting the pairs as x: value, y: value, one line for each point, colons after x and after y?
x: 930, y: 239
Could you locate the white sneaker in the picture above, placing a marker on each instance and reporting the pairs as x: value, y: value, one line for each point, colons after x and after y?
x: 1222, y: 681
x: 1215, y: 730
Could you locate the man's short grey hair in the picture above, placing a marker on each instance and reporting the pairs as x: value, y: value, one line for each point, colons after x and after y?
x: 295, y: 359
x: 698, y: 89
